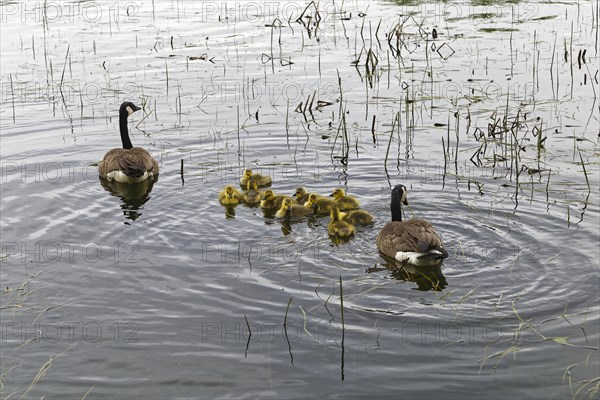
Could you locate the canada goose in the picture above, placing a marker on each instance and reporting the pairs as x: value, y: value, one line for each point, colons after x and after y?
x: 272, y: 201
x: 322, y: 205
x: 357, y: 217
x: 230, y: 195
x: 252, y: 196
x: 337, y: 227
x: 343, y: 201
x: 261, y: 180
x: 414, y: 241
x: 289, y: 209
x: 129, y: 164
x: 301, y: 195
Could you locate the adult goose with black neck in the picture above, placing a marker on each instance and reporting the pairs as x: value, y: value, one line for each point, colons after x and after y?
x: 413, y: 241
x: 129, y: 164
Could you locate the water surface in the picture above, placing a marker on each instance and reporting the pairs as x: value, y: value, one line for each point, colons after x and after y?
x: 487, y: 113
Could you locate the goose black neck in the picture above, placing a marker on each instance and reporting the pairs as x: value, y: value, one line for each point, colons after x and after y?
x: 123, y: 114
x: 396, y: 207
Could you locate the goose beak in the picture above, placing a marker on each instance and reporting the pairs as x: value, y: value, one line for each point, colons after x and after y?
x: 331, y: 195
x: 136, y: 108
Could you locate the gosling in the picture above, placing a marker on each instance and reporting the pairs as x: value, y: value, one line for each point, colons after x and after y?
x: 289, y: 209
x: 344, y: 201
x: 261, y: 180
x: 230, y: 196
x: 322, y: 205
x: 338, y: 228
x: 272, y: 201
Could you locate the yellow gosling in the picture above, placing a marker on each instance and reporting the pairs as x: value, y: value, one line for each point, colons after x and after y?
x: 337, y: 228
x: 344, y: 201
x: 272, y: 201
x: 230, y: 196
x: 322, y: 205
x: 252, y: 195
x: 357, y: 217
x: 261, y: 180
x: 301, y: 195
x: 289, y: 209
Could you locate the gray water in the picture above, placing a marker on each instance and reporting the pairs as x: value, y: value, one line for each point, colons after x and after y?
x: 156, y: 292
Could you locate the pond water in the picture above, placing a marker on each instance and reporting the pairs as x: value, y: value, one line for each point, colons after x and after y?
x: 487, y: 112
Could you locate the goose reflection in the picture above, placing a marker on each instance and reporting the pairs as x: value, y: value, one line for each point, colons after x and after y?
x: 133, y: 195
x: 426, y: 277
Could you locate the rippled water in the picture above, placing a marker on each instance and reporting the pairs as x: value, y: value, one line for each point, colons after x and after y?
x: 155, y: 292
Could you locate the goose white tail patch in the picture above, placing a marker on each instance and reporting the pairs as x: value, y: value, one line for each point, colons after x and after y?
x: 119, y: 176
x: 415, y: 258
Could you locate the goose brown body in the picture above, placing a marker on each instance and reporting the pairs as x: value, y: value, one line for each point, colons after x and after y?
x: 415, y: 235
x: 128, y: 165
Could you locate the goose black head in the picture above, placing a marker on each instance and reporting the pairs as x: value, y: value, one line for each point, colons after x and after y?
x: 399, y: 193
x: 128, y: 108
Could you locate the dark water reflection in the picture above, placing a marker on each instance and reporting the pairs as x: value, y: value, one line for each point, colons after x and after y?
x: 426, y: 278
x: 132, y: 195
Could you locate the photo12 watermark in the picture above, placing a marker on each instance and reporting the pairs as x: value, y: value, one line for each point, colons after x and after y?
x: 323, y: 332
x: 69, y: 91
x: 54, y: 12
x: 59, y: 172
x: 255, y: 252
x: 50, y: 252
x: 71, y: 332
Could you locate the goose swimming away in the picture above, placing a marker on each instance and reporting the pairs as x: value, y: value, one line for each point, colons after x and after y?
x: 129, y: 164
x: 414, y: 241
